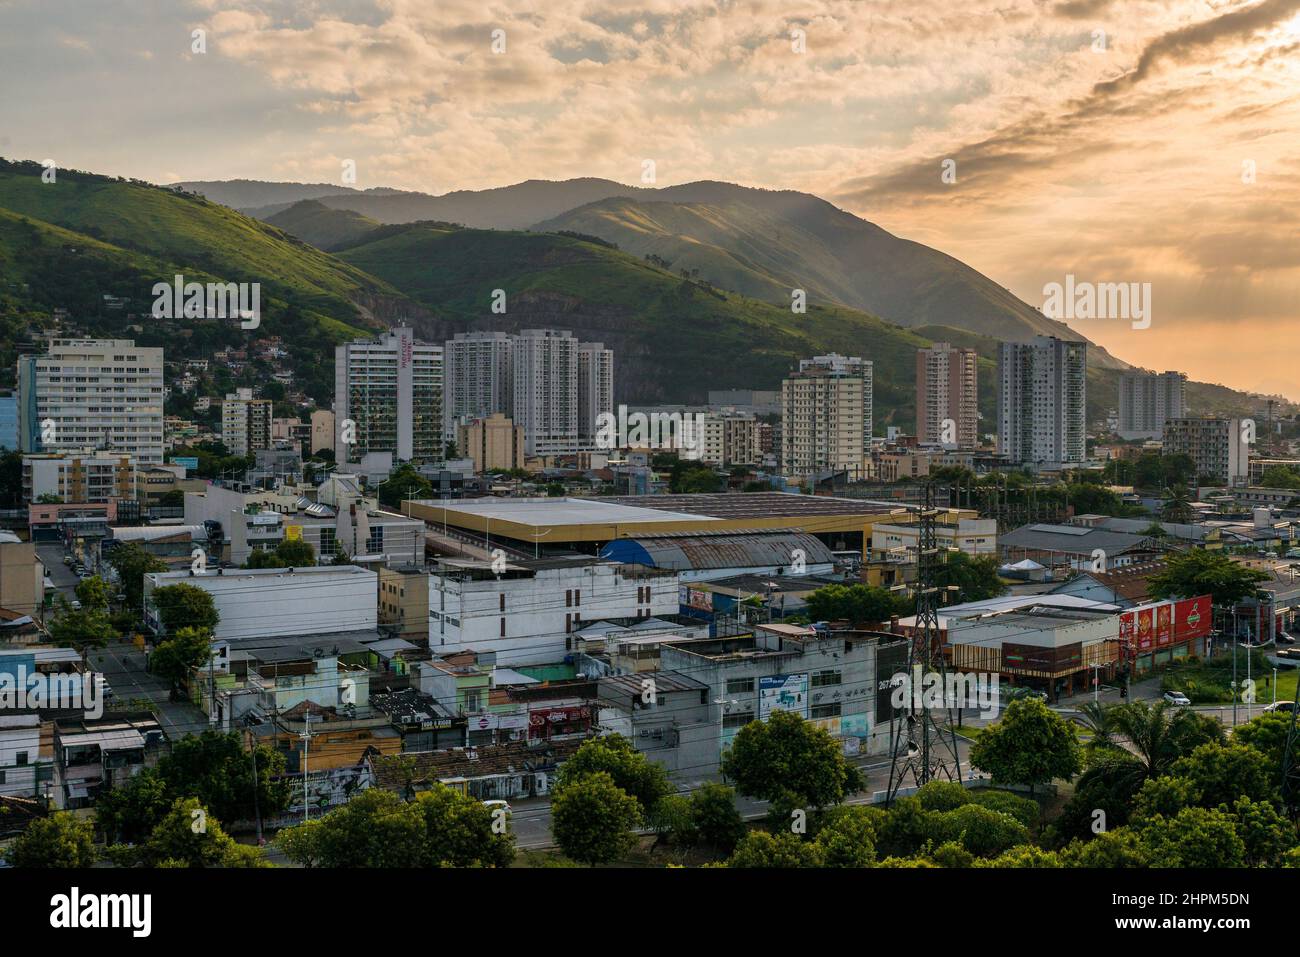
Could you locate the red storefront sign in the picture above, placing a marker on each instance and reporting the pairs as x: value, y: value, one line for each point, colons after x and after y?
x: 1145, y: 628
x: 1193, y: 618
x: 1164, y: 624
x: 1127, y: 629
x: 547, y: 721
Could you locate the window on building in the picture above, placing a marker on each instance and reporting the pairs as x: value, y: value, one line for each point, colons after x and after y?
x: 825, y: 710
x: 738, y: 720
x: 740, y: 685
x: 20, y: 758
x: 823, y: 679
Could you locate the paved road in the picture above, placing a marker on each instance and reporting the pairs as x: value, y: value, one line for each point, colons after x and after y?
x: 65, y: 580
x: 123, y: 666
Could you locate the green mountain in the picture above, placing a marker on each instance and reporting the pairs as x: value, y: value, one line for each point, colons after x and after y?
x: 96, y: 245
x: 762, y: 243
x: 323, y: 227
x: 674, y: 337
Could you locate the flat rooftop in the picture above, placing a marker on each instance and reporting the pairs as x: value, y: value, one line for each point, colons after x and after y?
x: 553, y: 521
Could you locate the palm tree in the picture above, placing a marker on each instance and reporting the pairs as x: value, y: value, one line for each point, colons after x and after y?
x: 1178, y: 504
x: 1151, y: 738
x: 1095, y: 718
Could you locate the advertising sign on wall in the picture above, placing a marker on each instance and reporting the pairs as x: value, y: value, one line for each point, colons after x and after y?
x: 1164, y: 624
x: 783, y: 693
x: 1145, y: 629
x: 1193, y: 618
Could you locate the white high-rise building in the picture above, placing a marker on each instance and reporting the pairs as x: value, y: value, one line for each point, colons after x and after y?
x: 477, y: 380
x: 245, y: 423
x: 595, y: 389
x: 826, y: 416
x: 1147, y: 400
x: 93, y: 395
x: 1042, y: 400
x: 388, y: 398
x: 545, y: 399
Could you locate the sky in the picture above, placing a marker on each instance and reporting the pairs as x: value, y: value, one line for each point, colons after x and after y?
x: 1112, y: 141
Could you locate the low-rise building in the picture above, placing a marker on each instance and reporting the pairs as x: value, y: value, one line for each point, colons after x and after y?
x: 526, y: 611
x: 266, y: 602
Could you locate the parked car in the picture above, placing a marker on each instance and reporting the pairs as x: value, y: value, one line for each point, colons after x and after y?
x: 1015, y: 694
x: 75, y: 604
x: 1177, y: 698
x: 494, y: 804
x: 1281, y: 706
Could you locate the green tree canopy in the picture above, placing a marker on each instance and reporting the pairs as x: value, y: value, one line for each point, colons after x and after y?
x: 186, y: 606
x: 790, y: 758
x: 594, y: 820
x: 1031, y: 745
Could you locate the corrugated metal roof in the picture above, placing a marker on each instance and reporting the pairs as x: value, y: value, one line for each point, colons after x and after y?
x: 696, y: 551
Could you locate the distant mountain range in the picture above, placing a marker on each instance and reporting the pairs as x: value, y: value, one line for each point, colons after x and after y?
x: 763, y: 243
x: 689, y: 285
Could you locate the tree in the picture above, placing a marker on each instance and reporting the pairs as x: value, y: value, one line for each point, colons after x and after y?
x: 188, y: 836
x: 1031, y: 745
x: 788, y: 756
x: 1112, y: 850
x: 404, y: 483
x: 594, y: 820
x: 1201, y: 572
x: 1156, y: 736
x: 60, y: 840
x: 93, y: 593
x: 714, y: 814
x: 131, y: 563
x: 81, y: 627
x: 847, y: 837
x: 858, y: 604
x: 975, y: 578
x: 760, y: 849
x: 176, y: 656
x: 460, y: 831
x: 628, y: 767
x: 1178, y: 504
x: 1195, y: 837
x: 289, y: 553
x: 980, y: 830
x: 186, y: 606
x: 1220, y: 774
x: 130, y: 812
x: 217, y: 769
x: 1265, y: 832
x: 374, y: 829
x: 213, y: 768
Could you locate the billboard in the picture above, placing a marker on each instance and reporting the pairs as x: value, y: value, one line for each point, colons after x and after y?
x: 1164, y: 624
x: 1193, y: 618
x: 783, y: 693
x: 1145, y: 628
x: 890, y: 660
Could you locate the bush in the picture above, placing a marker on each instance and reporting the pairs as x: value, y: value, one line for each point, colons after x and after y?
x: 942, y: 795
x: 1023, y: 809
x: 983, y: 832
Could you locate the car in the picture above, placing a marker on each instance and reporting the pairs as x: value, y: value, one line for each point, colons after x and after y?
x: 75, y: 605
x: 67, y: 559
x: 1284, y: 639
x: 1177, y: 697
x: 492, y: 805
x: 1281, y: 706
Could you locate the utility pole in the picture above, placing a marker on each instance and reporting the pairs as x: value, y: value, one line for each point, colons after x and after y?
x: 305, y: 734
x: 919, y: 748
